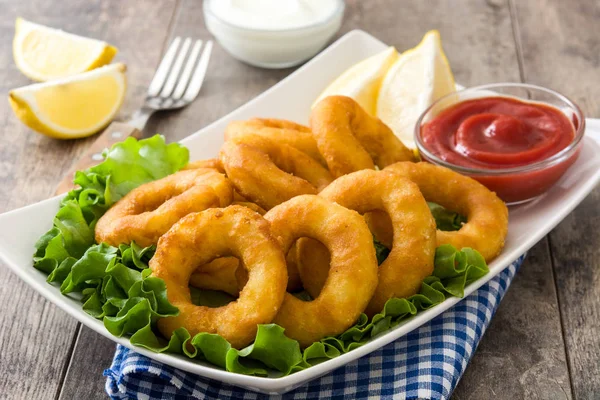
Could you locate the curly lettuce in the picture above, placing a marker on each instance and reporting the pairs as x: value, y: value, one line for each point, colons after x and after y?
x: 445, y: 219
x: 115, y: 284
x: 126, y: 165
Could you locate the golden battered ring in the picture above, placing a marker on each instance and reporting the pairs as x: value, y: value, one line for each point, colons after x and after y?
x: 487, y: 215
x: 212, y: 163
x: 350, y: 139
x: 269, y: 173
x: 279, y: 130
x: 196, y: 240
x: 223, y: 273
x: 147, y: 212
x: 353, y: 277
x: 215, y: 163
x: 219, y: 274
x: 413, y: 248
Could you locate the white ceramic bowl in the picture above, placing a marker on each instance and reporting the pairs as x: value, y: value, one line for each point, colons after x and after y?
x: 270, y: 48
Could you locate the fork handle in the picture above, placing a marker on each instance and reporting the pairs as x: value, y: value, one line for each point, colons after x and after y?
x: 116, y: 132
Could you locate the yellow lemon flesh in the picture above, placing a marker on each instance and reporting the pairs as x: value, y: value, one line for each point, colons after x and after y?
x: 43, y: 53
x: 362, y: 81
x: 72, y: 107
x: 419, y: 77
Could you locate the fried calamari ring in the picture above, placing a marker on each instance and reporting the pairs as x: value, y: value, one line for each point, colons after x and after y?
x: 196, y: 240
x: 147, y: 212
x: 487, y: 215
x: 279, y: 130
x: 269, y: 173
x: 312, y: 255
x: 413, y: 248
x: 248, y: 204
x: 219, y: 274
x: 380, y: 225
x: 294, y: 281
x: 212, y: 163
x: 350, y: 139
x: 353, y: 277
x: 223, y: 274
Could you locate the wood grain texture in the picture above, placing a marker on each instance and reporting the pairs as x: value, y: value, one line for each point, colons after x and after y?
x: 521, y: 355
x: 35, y: 342
x: 35, y: 336
x: 561, y: 50
x: 92, y: 355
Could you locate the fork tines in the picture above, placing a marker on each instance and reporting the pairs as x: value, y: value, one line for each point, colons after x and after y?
x: 174, y: 80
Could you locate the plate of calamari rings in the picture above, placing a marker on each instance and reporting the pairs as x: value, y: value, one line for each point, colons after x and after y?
x: 287, y: 248
x: 282, y: 209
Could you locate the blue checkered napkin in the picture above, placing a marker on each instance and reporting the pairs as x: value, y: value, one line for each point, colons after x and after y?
x: 425, y: 364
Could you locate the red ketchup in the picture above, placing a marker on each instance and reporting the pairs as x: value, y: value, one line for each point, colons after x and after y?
x: 499, y: 133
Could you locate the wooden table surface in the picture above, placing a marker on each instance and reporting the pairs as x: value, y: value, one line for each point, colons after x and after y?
x: 545, y: 339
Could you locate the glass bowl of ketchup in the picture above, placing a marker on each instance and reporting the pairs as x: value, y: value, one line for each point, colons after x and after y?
x: 517, y: 139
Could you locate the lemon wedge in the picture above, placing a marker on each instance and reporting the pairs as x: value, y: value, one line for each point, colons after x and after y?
x: 71, y: 107
x: 362, y: 80
x: 419, y: 77
x: 43, y: 53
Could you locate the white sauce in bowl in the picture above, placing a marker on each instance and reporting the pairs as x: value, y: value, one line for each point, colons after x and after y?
x: 273, y: 33
x: 273, y: 14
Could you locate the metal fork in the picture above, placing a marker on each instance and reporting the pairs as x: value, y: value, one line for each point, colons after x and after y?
x: 173, y: 86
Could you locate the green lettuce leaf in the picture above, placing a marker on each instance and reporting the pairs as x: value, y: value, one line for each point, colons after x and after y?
x: 130, y: 163
x: 126, y: 166
x: 445, y: 219
x: 381, y: 251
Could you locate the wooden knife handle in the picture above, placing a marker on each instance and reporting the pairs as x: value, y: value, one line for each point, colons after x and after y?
x: 116, y: 132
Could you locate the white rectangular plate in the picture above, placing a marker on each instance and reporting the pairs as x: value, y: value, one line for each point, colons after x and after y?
x: 291, y: 99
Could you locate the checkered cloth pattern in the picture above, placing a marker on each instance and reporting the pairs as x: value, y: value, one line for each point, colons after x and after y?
x: 425, y: 364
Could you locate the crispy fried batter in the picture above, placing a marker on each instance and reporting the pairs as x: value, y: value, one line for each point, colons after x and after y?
x: 248, y: 204
x: 196, y: 240
x: 219, y: 274
x: 269, y: 173
x: 223, y: 273
x: 353, y: 274
x: 213, y: 163
x: 487, y: 215
x: 413, y: 248
x: 150, y: 210
x: 279, y: 130
x: 350, y: 139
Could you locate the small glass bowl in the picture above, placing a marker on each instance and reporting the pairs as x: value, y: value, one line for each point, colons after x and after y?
x: 273, y: 48
x: 517, y: 184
